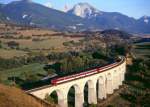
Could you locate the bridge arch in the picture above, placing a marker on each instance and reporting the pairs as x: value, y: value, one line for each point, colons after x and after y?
x: 101, y: 79
x: 78, y: 94
x: 60, y: 96
x: 76, y: 87
x: 90, y: 84
x: 109, y: 76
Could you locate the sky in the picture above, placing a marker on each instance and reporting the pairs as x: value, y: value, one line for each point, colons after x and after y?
x: 132, y: 8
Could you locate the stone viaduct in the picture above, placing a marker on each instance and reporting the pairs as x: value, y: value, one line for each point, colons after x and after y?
x: 107, y: 81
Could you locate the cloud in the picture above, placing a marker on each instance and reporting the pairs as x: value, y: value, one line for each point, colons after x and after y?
x: 48, y: 4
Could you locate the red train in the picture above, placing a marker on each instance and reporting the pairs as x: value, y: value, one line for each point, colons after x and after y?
x: 85, y: 74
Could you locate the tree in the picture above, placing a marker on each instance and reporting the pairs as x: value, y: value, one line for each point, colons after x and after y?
x: 64, y: 66
x: 69, y: 67
x: 0, y: 44
x: 0, y: 77
x: 121, y: 49
x: 92, y: 105
x: 48, y: 98
x: 110, y: 106
x: 13, y: 44
x: 78, y: 63
x: 50, y: 71
x: 30, y: 77
x: 98, y: 55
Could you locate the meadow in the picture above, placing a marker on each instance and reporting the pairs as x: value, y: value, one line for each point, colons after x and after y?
x: 22, y: 73
x: 11, y: 53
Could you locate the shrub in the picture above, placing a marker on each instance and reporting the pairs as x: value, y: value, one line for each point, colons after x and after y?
x: 13, y: 44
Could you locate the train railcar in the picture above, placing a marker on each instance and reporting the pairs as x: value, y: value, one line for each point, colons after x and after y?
x: 85, y: 74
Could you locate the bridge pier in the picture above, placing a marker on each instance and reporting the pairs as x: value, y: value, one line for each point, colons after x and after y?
x: 109, y: 86
x: 114, y: 81
x: 79, y: 100
x: 92, y: 97
x: 101, y: 91
x: 120, y: 80
x: 123, y: 76
x: 63, y: 103
x: 117, y: 81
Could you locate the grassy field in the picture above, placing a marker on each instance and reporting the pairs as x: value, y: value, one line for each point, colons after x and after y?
x: 35, y: 69
x: 32, y: 40
x: 45, y: 44
x: 142, y: 50
x: 52, y: 43
x: 37, y: 32
x: 11, y: 53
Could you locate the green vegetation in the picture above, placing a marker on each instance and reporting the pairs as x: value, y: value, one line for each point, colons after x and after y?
x: 26, y: 56
x: 17, y: 62
x: 137, y: 84
x: 27, y: 73
x: 142, y: 50
x: 77, y: 62
x: 92, y: 105
x: 13, y: 44
x: 52, y: 98
x: 74, y: 62
x: 11, y: 53
x: 24, y: 72
x: 138, y: 81
x: 0, y: 44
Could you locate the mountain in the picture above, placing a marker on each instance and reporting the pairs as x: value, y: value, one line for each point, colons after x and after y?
x: 2, y: 17
x: 81, y: 17
x: 30, y: 13
x: 111, y: 20
x: 145, y: 19
x: 143, y: 24
x: 85, y: 10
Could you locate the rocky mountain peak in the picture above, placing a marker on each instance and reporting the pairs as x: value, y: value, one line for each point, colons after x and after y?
x: 145, y: 19
x: 84, y: 10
